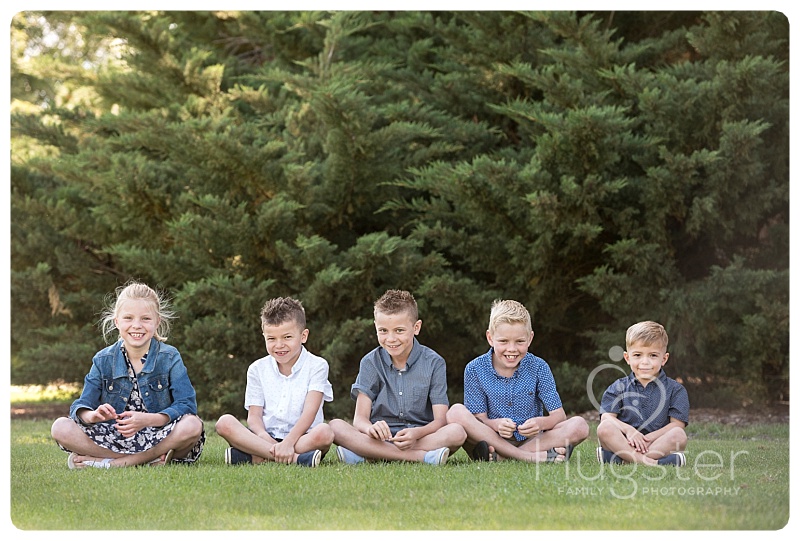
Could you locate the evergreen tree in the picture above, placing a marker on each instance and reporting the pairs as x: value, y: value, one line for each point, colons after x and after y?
x: 600, y: 168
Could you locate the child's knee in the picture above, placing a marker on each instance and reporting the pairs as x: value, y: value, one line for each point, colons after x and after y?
x: 456, y: 433
x: 60, y: 428
x: 457, y: 414
x: 323, y: 435
x: 190, y: 426
x: 224, y: 424
x: 580, y: 429
x: 678, y: 435
x: 605, y: 430
x: 338, y: 426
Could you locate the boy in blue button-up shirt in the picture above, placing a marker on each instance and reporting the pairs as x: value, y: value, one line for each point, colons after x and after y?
x: 506, y: 392
x: 400, y: 394
x: 643, y: 415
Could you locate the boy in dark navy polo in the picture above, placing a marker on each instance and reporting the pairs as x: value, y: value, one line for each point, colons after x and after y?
x: 400, y: 394
x: 643, y: 415
x: 506, y: 391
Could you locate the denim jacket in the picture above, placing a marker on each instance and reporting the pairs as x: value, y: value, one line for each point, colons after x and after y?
x: 163, y: 382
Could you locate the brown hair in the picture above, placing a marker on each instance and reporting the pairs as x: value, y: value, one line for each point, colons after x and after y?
x: 396, y: 301
x: 281, y: 310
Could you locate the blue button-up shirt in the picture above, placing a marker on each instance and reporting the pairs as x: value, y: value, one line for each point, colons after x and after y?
x: 524, y: 395
x: 402, y: 398
x: 646, y: 408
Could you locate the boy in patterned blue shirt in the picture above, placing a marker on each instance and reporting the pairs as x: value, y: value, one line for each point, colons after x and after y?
x: 506, y: 392
x: 643, y: 415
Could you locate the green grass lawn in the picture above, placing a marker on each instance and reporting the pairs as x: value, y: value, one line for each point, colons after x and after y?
x: 736, y: 479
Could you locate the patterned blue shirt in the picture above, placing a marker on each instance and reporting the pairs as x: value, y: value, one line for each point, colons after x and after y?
x: 402, y: 398
x: 523, y: 396
x: 646, y: 408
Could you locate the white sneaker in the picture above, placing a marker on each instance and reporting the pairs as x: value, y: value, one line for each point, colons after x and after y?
x: 347, y: 456
x: 437, y: 457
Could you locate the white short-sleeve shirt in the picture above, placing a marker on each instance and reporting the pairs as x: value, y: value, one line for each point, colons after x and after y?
x: 283, y: 397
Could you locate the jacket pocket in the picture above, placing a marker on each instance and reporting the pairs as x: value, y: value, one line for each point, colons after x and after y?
x: 156, y: 393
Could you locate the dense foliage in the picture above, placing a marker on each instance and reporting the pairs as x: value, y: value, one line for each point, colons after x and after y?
x: 601, y: 168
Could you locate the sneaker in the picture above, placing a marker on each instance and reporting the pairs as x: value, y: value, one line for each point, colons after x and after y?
x: 607, y: 457
x: 676, y: 459
x: 437, y: 457
x: 347, y: 456
x: 309, y: 459
x: 235, y: 456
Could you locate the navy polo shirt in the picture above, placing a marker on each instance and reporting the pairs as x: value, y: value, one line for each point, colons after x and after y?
x: 523, y: 396
x: 646, y: 408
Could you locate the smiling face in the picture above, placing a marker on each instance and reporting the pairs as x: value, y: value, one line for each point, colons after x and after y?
x: 510, y: 342
x: 396, y: 334
x: 137, y: 321
x: 285, y: 343
x: 646, y: 360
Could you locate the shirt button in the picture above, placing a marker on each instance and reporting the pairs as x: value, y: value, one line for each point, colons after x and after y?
x: 401, y: 393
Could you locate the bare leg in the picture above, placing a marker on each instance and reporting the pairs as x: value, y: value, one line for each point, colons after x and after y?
x: 239, y: 436
x: 534, y: 450
x: 669, y: 442
x: 572, y: 431
x: 347, y: 436
x: 612, y: 439
x: 181, y: 440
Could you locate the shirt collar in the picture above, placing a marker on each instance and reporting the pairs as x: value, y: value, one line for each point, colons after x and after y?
x: 295, y: 367
x: 662, y: 377
x: 416, y: 353
x: 528, y: 357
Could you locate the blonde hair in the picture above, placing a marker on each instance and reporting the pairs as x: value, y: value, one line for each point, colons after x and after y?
x: 647, y: 333
x: 395, y: 301
x: 136, y: 291
x: 510, y: 312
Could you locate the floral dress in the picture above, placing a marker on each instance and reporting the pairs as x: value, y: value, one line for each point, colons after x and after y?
x: 107, y: 436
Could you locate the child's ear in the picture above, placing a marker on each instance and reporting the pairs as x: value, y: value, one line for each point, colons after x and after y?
x: 489, y: 338
x: 666, y: 358
x: 304, y: 336
x: 417, y: 327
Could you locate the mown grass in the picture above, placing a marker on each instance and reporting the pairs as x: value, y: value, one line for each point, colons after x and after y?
x: 737, y: 479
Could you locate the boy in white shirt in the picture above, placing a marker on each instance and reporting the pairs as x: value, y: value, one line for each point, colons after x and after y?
x: 284, y: 396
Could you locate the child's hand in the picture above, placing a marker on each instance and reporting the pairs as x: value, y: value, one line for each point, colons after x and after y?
x: 529, y: 428
x: 103, y: 413
x: 506, y: 428
x: 129, y: 424
x: 380, y: 431
x: 637, y: 441
x: 283, y: 452
x: 405, y: 439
